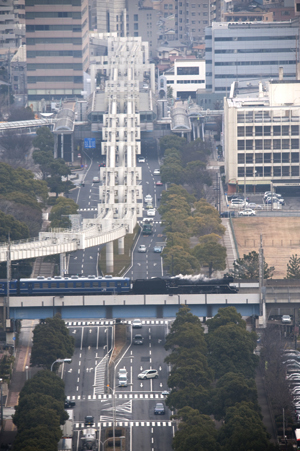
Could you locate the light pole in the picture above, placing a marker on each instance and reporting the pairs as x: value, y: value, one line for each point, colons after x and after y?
x: 60, y: 361
x: 114, y: 414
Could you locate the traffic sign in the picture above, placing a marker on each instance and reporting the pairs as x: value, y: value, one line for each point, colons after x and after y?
x: 90, y: 143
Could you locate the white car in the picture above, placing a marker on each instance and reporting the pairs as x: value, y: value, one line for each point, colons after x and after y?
x: 156, y: 172
x: 151, y: 212
x: 136, y: 323
x: 247, y: 212
x: 122, y: 371
x: 255, y: 206
x: 142, y: 248
x: 237, y: 204
x: 286, y: 319
x: 148, y: 374
x: 148, y: 199
x: 96, y: 180
x: 141, y: 159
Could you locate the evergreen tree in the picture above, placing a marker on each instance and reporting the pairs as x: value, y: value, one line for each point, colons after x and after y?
x: 247, y: 267
x: 293, y: 267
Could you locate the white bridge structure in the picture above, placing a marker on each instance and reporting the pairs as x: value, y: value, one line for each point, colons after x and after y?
x: 120, y: 191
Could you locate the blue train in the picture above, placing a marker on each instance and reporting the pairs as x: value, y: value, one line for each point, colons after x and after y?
x: 60, y: 286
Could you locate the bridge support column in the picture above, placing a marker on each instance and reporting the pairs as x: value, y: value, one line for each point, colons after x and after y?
x: 121, y: 246
x: 63, y: 264
x: 110, y: 256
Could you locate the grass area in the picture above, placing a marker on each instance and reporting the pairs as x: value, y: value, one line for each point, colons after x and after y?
x: 121, y: 262
x: 280, y: 239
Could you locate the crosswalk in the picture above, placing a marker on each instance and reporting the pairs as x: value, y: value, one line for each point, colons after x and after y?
x: 117, y: 396
x: 112, y: 322
x: 87, y: 209
x: 105, y: 424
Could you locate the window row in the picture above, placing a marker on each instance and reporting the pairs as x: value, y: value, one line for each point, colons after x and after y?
x: 268, y: 130
x: 268, y: 116
x: 55, y: 79
x: 63, y: 27
x: 52, y: 66
x: 269, y: 171
x: 40, y: 15
x: 277, y: 157
x: 62, y: 40
x: 50, y: 53
x: 268, y: 144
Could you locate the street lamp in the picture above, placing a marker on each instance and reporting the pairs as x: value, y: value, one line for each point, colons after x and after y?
x: 109, y: 438
x: 60, y: 361
x: 114, y: 414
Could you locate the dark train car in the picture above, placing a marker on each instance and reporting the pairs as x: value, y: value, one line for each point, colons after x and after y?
x: 149, y: 286
x: 194, y: 285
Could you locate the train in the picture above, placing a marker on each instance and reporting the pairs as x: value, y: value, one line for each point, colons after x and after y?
x: 108, y: 285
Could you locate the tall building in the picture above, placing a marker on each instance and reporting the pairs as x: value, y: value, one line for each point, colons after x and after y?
x: 143, y: 22
x: 248, y: 51
x: 262, y: 136
x: 194, y: 16
x: 57, y: 48
x: 110, y: 16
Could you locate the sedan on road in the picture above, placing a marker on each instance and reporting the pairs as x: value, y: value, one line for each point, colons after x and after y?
x: 141, y: 159
x: 159, y: 409
x: 136, y: 323
x: 138, y: 340
x: 142, y: 248
x: 247, y: 212
x: 151, y: 212
x: 159, y: 183
x: 156, y: 172
x: 157, y: 249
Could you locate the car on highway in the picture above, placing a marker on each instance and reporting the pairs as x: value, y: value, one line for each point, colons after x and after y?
x: 159, y: 409
x: 156, y: 172
x: 247, y: 212
x: 96, y: 180
x: 286, y: 319
x: 159, y: 183
x: 138, y: 339
x: 136, y: 323
x: 151, y: 212
x: 157, y: 249
x: 148, y: 199
x: 123, y: 382
x: 148, y: 374
x: 141, y: 159
x: 142, y: 248
x: 69, y: 404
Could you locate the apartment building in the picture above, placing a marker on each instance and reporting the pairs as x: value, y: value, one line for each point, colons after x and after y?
x: 248, y: 51
x: 186, y: 77
x: 57, y: 49
x: 194, y: 16
x: 110, y: 16
x: 143, y: 22
x: 262, y: 136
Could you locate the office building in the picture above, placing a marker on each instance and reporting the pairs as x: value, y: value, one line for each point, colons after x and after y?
x: 186, y: 77
x: 262, y: 136
x: 249, y: 51
x: 57, y: 47
x: 110, y: 16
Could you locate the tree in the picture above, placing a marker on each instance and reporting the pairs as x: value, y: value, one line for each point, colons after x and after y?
x: 293, y: 267
x: 171, y: 173
x: 227, y: 315
x: 230, y: 349
x: 51, y: 341
x: 233, y: 388
x: 169, y: 92
x: 21, y: 180
x: 211, y: 254
x: 180, y: 260
x: 59, y: 212
x: 10, y: 226
x: 44, y: 382
x: 170, y: 141
x: 38, y: 438
x: 243, y: 429
x: 247, y: 267
x: 196, y: 432
x: 44, y: 140
x: 189, y: 335
x: 192, y: 395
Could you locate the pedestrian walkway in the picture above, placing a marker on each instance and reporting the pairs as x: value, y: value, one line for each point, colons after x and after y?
x: 228, y: 242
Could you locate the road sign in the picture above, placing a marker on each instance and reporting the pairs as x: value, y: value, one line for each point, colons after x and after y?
x: 90, y: 143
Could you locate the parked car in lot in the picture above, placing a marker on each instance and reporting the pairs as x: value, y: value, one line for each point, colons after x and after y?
x: 269, y: 200
x: 148, y: 374
x: 136, y: 323
x: 159, y: 409
x: 247, y: 212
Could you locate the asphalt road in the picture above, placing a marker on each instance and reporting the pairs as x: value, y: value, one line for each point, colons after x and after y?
x: 144, y: 265
x: 86, y: 379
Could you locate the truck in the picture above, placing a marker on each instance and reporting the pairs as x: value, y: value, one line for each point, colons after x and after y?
x: 65, y: 443
x: 88, y: 438
x: 147, y: 227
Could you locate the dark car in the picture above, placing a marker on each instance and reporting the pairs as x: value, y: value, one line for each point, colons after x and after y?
x: 159, y: 409
x: 138, y: 339
x: 227, y: 214
x: 89, y: 420
x: 69, y: 404
x: 102, y: 165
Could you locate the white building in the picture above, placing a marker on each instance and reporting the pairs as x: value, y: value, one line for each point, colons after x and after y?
x: 261, y: 136
x: 186, y: 77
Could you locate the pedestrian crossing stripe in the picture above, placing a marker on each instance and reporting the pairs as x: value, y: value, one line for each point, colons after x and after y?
x: 106, y: 424
x: 118, y: 396
x: 87, y: 209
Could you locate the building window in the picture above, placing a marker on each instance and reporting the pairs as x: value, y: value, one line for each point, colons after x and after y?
x: 267, y: 130
x: 276, y: 130
x: 267, y: 158
x: 240, y: 172
x: 295, y: 157
x: 267, y: 144
x: 136, y: 26
x: 285, y: 171
x: 295, y: 171
x: 240, y: 131
x: 277, y: 172
x: 249, y: 158
x: 277, y: 158
x: 258, y: 131
x: 249, y: 144
x: 295, y: 143
x: 241, y: 144
x: 249, y: 172
x: 241, y: 158
x: 285, y: 130
x: 276, y: 143
x: 135, y: 17
x: 267, y: 171
x: 258, y: 144
x: 295, y: 130
x: 258, y: 158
